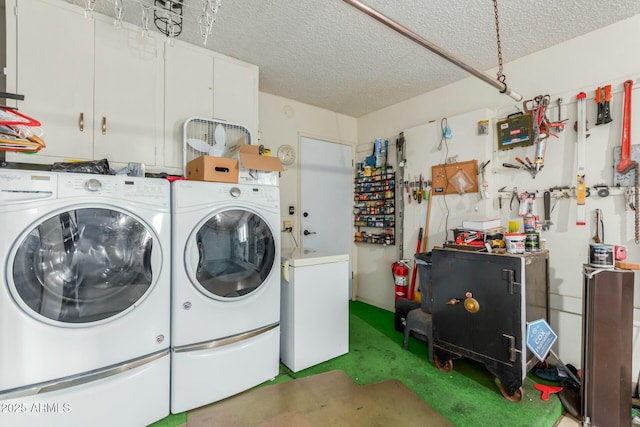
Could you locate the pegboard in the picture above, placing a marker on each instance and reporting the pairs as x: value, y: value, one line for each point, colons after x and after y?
x: 441, y: 174
x: 625, y: 179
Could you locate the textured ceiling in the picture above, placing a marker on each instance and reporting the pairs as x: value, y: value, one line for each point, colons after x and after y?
x: 328, y: 54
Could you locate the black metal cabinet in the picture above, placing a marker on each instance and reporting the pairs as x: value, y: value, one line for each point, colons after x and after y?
x: 607, y: 347
x: 481, y: 305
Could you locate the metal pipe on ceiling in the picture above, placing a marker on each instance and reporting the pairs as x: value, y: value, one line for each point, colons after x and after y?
x: 502, y: 87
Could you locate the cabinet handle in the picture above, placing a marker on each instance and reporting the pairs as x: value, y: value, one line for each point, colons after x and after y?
x: 81, y: 123
x: 104, y: 125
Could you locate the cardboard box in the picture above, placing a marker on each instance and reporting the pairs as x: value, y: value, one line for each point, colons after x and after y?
x: 214, y: 169
x: 257, y: 169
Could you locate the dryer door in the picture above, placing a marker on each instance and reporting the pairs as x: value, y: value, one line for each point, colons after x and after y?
x: 233, y: 253
x: 84, y: 265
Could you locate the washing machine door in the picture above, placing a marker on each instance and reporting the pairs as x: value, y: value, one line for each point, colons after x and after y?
x: 233, y: 252
x: 84, y: 265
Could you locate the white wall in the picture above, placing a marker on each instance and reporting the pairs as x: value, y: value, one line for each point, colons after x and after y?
x: 606, y: 56
x: 284, y: 121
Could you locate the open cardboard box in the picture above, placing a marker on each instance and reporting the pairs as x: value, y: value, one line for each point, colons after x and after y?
x: 257, y: 169
x: 213, y: 169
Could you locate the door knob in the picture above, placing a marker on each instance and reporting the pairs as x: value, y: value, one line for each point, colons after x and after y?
x: 307, y: 232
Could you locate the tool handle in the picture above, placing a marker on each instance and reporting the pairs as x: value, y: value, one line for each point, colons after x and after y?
x: 547, y: 205
x: 519, y: 160
x: 607, y: 93
x: 599, y: 95
x: 509, y: 165
x: 625, y: 150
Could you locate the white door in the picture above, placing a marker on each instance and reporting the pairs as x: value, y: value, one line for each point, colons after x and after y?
x: 326, y: 186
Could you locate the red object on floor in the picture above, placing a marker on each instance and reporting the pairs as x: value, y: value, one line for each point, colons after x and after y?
x: 547, y: 390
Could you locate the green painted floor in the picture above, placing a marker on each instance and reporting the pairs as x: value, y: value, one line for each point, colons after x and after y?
x: 466, y: 396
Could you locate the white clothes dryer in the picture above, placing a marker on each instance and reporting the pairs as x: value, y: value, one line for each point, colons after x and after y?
x: 84, y: 299
x: 225, y: 306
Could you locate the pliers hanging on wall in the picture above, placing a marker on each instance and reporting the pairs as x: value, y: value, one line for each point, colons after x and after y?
x: 603, y: 100
x: 514, y: 196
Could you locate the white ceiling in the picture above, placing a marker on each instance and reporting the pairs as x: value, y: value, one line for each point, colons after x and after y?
x: 328, y: 54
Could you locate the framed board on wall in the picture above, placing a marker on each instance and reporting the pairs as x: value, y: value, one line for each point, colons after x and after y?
x: 455, y: 178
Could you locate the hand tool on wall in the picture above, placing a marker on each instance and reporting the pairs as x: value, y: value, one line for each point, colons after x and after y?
x: 581, y: 186
x: 603, y: 99
x: 519, y: 160
x: 426, y: 225
x: 510, y: 165
x: 484, y: 186
x: 514, y: 196
x: 500, y: 190
x: 600, y: 113
x: 561, y: 127
x: 541, y: 127
x: 626, y: 163
x: 596, y: 237
x: 546, y: 196
x: 607, y: 107
x: 529, y: 162
x: 415, y: 268
x: 420, y: 194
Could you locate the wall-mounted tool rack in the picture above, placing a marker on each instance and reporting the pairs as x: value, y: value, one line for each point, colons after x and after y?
x: 374, y: 208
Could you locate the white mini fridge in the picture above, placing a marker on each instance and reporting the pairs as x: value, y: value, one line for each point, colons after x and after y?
x: 314, y: 319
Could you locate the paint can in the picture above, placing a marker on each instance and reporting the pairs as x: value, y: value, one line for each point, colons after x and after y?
x: 515, y: 242
x: 529, y: 222
x: 532, y: 242
x: 601, y: 256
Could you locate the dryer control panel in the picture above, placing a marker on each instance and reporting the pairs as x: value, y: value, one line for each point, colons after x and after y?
x: 20, y: 185
x: 144, y: 190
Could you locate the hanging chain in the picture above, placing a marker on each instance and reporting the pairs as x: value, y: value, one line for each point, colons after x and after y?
x: 501, y: 77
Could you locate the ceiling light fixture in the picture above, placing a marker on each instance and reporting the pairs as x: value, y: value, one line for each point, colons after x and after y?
x: 501, y: 86
x: 168, y: 15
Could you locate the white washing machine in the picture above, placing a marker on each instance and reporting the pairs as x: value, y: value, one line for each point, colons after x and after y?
x: 225, y: 306
x: 84, y: 299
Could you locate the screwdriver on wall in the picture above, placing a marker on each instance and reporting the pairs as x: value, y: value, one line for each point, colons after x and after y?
x: 519, y: 160
x: 509, y: 165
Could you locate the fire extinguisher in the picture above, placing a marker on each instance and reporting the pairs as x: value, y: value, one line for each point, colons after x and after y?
x: 400, y: 272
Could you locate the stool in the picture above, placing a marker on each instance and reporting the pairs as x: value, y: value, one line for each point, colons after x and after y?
x: 420, y: 322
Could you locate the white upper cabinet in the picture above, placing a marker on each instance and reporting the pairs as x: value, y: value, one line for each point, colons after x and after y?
x: 202, y: 83
x: 96, y: 89
x: 188, y: 92
x: 55, y: 67
x: 235, y: 95
x: 128, y: 95
x: 106, y: 92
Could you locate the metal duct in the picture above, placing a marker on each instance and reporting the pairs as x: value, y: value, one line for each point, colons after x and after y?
x: 502, y: 87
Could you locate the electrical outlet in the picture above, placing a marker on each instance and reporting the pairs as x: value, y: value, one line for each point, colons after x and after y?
x: 287, y: 225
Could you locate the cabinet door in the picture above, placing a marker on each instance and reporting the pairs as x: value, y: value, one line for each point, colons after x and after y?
x: 55, y: 74
x: 235, y: 95
x: 128, y: 94
x: 491, y: 328
x: 188, y: 87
